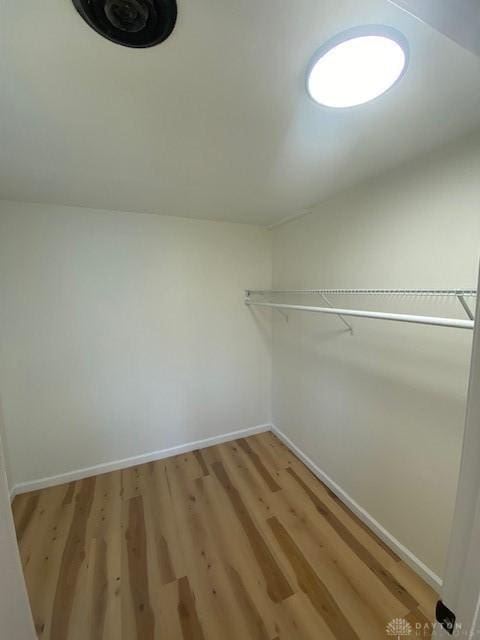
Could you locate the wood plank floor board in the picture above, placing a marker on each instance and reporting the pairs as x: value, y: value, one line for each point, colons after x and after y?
x: 367, y: 611
x: 105, y: 559
x: 297, y: 618
x: 259, y: 618
x: 266, y: 454
x: 313, y: 586
x: 201, y: 462
x: 43, y: 566
x: 421, y: 626
x: 252, y: 486
x: 417, y: 588
x: 358, y: 608
x: 207, y: 575
x: 73, y: 562
x: 278, y: 586
x: 191, y: 465
x: 356, y: 546
x: 259, y: 614
x: 257, y: 462
x: 364, y: 534
x: 283, y: 456
x: 137, y: 568
x: 260, y: 500
x: 211, y: 455
x: 131, y: 479
x: 360, y: 569
x: 388, y: 606
x: 234, y: 542
x: 36, y: 519
x: 164, y: 552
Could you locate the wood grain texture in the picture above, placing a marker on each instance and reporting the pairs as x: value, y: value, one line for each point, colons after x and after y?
x: 201, y: 461
x: 239, y: 541
x: 349, y: 538
x: 74, y: 555
x: 277, y: 585
x: 187, y: 612
x: 136, y: 544
x: 312, y: 585
x: 260, y: 467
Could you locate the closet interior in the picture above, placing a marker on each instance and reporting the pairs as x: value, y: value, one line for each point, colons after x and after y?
x: 195, y: 444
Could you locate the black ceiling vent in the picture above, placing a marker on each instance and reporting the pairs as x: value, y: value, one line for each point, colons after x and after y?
x: 133, y: 23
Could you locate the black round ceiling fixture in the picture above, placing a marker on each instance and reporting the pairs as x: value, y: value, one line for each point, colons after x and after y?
x: 133, y: 23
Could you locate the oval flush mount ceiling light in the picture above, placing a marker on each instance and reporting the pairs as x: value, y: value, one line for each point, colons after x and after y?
x: 132, y: 23
x: 357, y: 66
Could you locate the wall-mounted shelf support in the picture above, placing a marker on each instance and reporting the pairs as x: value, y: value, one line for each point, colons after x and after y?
x: 345, y: 322
x: 466, y: 307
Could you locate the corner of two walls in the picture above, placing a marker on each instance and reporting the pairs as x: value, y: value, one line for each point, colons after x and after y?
x: 381, y: 413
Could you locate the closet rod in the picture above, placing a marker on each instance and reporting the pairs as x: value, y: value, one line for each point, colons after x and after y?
x: 408, y: 292
x: 377, y: 315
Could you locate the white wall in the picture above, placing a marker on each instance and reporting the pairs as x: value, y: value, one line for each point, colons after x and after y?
x: 122, y: 334
x: 15, y: 616
x: 382, y: 412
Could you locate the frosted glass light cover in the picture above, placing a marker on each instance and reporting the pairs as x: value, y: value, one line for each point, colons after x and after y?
x: 356, y: 70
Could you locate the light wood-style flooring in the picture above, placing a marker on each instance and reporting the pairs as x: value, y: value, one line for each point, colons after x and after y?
x: 235, y: 542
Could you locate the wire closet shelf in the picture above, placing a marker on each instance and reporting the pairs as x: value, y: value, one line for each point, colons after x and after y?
x: 457, y: 323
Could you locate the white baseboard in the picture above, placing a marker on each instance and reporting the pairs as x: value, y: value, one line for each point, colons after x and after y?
x: 405, y: 554
x: 79, y: 474
x: 415, y: 563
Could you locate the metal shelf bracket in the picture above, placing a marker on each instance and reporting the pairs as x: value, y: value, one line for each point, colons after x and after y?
x: 466, y: 307
x: 345, y: 322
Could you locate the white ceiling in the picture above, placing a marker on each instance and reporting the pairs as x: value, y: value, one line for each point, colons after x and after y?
x: 215, y: 122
